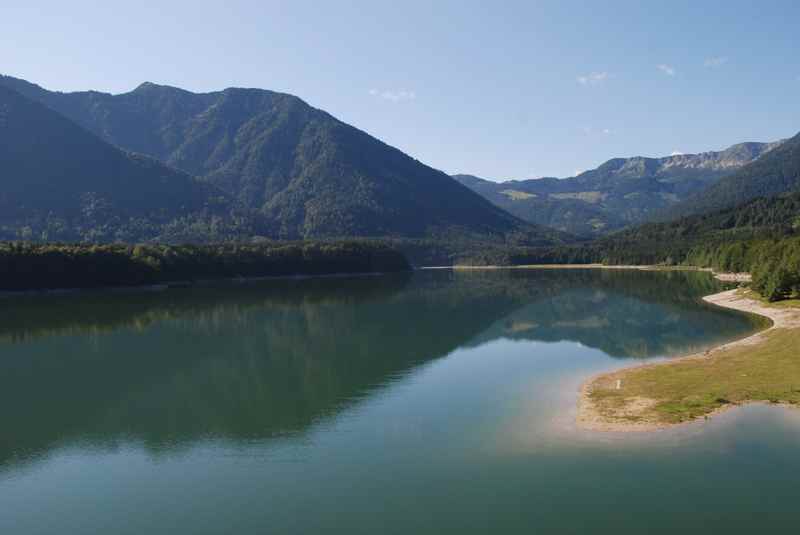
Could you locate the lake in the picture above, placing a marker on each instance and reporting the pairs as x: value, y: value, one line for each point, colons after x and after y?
x: 433, y: 402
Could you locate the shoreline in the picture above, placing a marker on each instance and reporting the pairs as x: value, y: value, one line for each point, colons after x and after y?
x: 721, y: 276
x: 199, y: 283
x: 590, y: 418
x: 183, y: 284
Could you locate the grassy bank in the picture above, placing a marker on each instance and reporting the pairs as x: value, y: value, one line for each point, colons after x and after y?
x: 762, y: 368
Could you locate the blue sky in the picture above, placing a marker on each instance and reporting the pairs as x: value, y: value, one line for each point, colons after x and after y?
x: 515, y: 90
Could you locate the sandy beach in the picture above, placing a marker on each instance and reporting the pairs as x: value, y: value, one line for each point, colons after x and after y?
x: 632, y: 415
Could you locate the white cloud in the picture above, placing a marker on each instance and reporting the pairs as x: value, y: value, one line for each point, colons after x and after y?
x: 676, y: 153
x: 393, y: 95
x: 593, y: 78
x: 589, y: 130
x: 669, y: 70
x: 714, y: 62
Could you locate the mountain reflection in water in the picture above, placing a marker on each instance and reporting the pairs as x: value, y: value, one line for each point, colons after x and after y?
x: 255, y: 361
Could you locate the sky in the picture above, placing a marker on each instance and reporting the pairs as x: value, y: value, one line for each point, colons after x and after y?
x: 513, y: 90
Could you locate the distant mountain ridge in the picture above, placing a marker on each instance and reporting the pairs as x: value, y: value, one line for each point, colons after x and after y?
x: 776, y: 173
x: 305, y: 172
x: 619, y: 193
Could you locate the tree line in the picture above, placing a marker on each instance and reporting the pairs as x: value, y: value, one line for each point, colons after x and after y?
x: 31, y: 266
x: 774, y: 264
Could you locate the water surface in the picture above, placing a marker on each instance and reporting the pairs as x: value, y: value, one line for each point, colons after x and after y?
x: 438, y: 402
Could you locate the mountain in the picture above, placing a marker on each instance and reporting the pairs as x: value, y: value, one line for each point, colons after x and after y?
x: 775, y: 173
x: 763, y: 217
x: 729, y: 236
x: 59, y: 181
x: 307, y: 173
x: 619, y: 193
x: 761, y: 237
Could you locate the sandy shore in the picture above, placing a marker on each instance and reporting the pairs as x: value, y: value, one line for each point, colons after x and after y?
x: 725, y: 277
x: 590, y: 418
x: 568, y: 266
x: 732, y: 277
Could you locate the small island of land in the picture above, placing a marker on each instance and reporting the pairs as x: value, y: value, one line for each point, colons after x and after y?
x: 763, y: 367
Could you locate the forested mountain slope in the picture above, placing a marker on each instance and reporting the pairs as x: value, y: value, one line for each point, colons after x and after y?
x: 307, y: 173
x: 762, y: 218
x: 59, y: 181
x: 674, y: 242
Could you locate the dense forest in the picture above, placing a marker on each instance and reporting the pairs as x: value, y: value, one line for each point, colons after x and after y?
x: 761, y: 237
x: 774, y: 264
x: 27, y: 266
x: 671, y: 242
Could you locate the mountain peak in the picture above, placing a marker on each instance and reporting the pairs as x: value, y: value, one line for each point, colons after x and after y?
x: 775, y: 171
x: 305, y: 173
x: 150, y: 87
x: 145, y: 86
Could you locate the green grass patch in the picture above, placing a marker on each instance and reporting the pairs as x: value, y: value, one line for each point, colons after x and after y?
x: 767, y: 371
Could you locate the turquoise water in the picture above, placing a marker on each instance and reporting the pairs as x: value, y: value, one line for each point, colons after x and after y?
x: 437, y: 402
